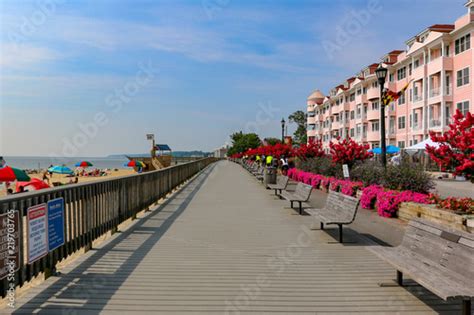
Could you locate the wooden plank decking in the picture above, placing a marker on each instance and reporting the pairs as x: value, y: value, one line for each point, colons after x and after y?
x: 224, y: 244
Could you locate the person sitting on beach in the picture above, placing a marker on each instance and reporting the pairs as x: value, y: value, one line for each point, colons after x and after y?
x: 45, y: 177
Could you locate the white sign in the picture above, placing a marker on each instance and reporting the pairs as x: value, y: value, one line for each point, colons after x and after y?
x: 37, y: 232
x: 345, y: 170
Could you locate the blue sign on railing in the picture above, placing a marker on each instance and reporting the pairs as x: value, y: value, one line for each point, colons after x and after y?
x: 55, y: 223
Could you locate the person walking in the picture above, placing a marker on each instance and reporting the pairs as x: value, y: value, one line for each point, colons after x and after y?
x: 284, y: 165
x: 269, y: 160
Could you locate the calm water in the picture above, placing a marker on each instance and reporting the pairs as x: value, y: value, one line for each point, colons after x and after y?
x: 24, y: 162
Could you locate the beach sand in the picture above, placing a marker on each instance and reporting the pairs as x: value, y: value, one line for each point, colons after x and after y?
x: 82, y: 179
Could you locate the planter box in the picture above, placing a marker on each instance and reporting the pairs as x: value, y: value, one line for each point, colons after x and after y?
x: 409, y: 210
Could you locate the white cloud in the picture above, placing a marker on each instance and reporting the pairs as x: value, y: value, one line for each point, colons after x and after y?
x: 21, y: 56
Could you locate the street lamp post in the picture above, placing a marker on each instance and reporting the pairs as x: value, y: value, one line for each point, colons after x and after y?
x: 283, y: 130
x: 381, y: 73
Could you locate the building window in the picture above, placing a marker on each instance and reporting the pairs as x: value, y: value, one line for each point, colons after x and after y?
x: 359, y: 92
x: 463, y: 107
x: 401, y: 122
x: 401, y: 99
x: 401, y: 144
x: 352, y: 132
x: 416, y: 63
x: 446, y: 50
x: 410, y: 67
x: 391, y: 77
x: 375, y: 126
x: 375, y: 105
x: 462, y: 44
x: 364, y: 90
x: 352, y: 115
x: 352, y: 97
x: 401, y: 73
x: 462, y: 77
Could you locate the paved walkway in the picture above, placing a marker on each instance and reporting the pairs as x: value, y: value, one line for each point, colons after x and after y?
x: 224, y: 244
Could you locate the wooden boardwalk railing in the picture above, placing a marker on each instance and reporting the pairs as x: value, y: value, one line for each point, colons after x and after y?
x: 90, y: 210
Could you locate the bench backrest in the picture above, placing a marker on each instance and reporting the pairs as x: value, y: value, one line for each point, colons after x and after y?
x: 342, y: 205
x: 282, y: 181
x: 303, y: 191
x: 449, y: 249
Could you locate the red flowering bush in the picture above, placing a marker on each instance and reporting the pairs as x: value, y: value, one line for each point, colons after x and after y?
x: 334, y: 184
x: 316, y: 180
x: 276, y: 151
x: 465, y: 205
x: 348, y: 152
x: 350, y: 188
x: 388, y: 201
x: 312, y: 149
x: 324, y: 185
x: 369, y: 196
x: 457, y: 146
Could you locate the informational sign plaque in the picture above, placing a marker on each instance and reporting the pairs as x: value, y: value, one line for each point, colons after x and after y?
x: 55, y: 223
x: 37, y: 232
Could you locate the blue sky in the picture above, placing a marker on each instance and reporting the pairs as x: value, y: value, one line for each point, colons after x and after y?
x: 91, y: 78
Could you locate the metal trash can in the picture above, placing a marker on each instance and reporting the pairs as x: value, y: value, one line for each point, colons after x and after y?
x: 270, y: 176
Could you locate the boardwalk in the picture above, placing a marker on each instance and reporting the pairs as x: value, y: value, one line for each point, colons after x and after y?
x: 225, y: 244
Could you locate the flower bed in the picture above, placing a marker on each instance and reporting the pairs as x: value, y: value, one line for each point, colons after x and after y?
x: 385, y: 201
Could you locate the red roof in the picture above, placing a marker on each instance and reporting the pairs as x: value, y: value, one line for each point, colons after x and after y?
x: 442, y: 28
x: 395, y: 52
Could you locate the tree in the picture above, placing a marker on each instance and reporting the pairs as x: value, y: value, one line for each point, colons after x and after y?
x: 299, y: 117
x: 272, y: 141
x: 456, y: 150
x: 348, y: 152
x: 241, y: 142
x: 310, y: 150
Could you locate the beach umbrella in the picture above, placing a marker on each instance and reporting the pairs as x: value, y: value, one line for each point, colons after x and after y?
x: 391, y: 149
x: 33, y: 184
x: 135, y: 163
x: 10, y: 174
x: 60, y: 170
x: 84, y: 164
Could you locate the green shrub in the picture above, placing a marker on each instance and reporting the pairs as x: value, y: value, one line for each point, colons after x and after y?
x: 408, y: 176
x: 369, y: 172
x: 320, y: 165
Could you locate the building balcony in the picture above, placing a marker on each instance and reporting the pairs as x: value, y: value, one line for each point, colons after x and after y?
x: 373, y: 93
x: 335, y: 126
x: 436, y: 91
x: 311, y: 133
x: 373, y: 114
x: 373, y: 136
x: 311, y: 120
x: 418, y: 73
x: 435, y: 123
x: 362, y: 98
x: 440, y: 64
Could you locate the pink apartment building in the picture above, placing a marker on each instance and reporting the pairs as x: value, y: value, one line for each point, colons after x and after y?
x: 439, y: 61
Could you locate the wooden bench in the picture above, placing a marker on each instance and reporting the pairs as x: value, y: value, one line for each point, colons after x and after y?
x: 340, y: 209
x: 300, y: 195
x: 437, y: 257
x: 259, y: 173
x: 281, y: 184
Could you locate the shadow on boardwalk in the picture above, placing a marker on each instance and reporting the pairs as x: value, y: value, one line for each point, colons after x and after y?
x: 77, y: 289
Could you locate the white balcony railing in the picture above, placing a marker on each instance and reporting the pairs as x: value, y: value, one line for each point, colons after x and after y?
x: 435, y: 92
x: 417, y: 126
x: 435, y: 123
x: 448, y: 90
x: 417, y: 98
